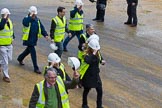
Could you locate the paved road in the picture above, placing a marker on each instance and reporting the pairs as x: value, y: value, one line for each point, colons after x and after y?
x: 132, y: 77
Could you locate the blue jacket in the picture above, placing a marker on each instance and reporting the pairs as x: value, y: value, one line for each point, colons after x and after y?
x: 74, y: 11
x: 32, y: 41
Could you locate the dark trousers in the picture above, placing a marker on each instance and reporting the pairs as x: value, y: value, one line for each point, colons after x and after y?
x: 100, y: 14
x: 99, y: 96
x: 29, y: 50
x: 73, y: 33
x: 131, y: 12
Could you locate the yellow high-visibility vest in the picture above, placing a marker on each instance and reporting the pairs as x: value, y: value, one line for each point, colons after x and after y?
x: 76, y: 23
x: 63, y: 70
x: 63, y: 94
x: 6, y: 35
x: 26, y: 31
x: 59, y: 32
x: 82, y: 53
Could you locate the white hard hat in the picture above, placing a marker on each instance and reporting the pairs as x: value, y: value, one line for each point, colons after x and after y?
x: 5, y: 11
x: 94, y: 44
x: 53, y: 46
x: 93, y: 36
x: 53, y: 57
x: 73, y: 62
x: 79, y: 2
x: 33, y: 9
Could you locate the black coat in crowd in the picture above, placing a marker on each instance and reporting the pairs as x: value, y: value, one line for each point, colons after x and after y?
x: 91, y: 78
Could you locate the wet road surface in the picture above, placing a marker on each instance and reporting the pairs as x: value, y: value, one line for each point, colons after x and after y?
x: 132, y: 77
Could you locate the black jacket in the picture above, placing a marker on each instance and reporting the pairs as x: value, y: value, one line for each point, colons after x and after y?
x: 91, y: 78
x: 102, y: 2
x: 132, y: 1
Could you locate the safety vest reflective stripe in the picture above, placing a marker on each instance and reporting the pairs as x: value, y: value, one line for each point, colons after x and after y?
x: 41, y: 99
x: 63, y: 70
x: 6, y: 35
x: 59, y: 32
x: 63, y: 93
x: 76, y: 23
x: 26, y: 31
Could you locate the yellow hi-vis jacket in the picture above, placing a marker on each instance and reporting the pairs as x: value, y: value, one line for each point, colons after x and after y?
x: 76, y: 23
x: 59, y: 32
x: 82, y: 53
x: 84, y: 66
x: 6, y: 35
x: 63, y: 94
x: 62, y: 69
x: 26, y: 31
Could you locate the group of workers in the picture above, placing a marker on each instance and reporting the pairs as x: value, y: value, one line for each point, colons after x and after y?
x: 52, y: 91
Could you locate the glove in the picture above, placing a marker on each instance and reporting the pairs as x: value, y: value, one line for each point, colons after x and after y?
x: 92, y: 1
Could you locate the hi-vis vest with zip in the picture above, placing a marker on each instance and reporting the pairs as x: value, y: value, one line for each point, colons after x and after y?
x: 63, y: 94
x: 60, y: 29
x: 6, y: 35
x: 84, y: 66
x: 76, y: 23
x: 62, y: 69
x: 26, y: 31
x: 82, y: 53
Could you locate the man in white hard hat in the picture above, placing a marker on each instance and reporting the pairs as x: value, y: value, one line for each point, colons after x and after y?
x: 32, y: 30
x: 75, y: 23
x: 54, y: 61
x: 6, y: 39
x: 89, y: 72
x: 58, y: 29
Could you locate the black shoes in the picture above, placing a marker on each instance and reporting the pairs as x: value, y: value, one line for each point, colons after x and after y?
x: 127, y: 23
x: 98, y: 20
x: 37, y: 71
x: 65, y: 50
x: 95, y: 19
x: 20, y: 62
x: 133, y: 25
x: 85, y: 106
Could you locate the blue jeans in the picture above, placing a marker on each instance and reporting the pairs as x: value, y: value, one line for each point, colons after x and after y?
x: 73, y: 33
x: 60, y: 48
x: 29, y: 50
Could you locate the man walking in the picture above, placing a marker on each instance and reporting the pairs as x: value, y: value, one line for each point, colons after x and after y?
x: 32, y: 30
x: 131, y: 12
x: 75, y: 23
x: 58, y: 28
x: 6, y: 38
